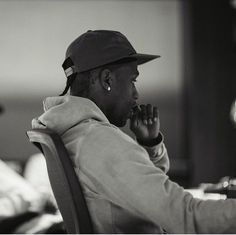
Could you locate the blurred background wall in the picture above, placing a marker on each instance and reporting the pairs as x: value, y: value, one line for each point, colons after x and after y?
x: 209, y: 36
x: 191, y: 83
x: 34, y: 38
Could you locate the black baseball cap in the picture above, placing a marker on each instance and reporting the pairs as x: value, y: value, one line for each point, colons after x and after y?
x: 100, y: 47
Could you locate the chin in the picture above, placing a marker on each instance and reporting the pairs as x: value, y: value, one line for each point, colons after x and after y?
x: 122, y: 123
x: 119, y: 123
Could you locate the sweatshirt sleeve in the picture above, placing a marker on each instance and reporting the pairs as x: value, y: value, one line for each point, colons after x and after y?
x: 124, y: 174
x: 158, y: 154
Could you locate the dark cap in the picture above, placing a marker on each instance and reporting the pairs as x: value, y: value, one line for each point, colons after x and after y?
x: 100, y: 47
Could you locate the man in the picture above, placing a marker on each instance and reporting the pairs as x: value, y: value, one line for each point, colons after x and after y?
x: 124, y: 180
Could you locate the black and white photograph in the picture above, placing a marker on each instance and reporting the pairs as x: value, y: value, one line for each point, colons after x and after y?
x: 117, y: 116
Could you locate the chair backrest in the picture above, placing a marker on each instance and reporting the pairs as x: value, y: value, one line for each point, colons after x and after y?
x: 64, y: 181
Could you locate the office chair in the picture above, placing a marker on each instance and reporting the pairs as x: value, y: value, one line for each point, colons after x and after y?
x: 64, y: 181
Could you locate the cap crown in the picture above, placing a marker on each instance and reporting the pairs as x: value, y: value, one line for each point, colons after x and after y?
x: 99, y: 47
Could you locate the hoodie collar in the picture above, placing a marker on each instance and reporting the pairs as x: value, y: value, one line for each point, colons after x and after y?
x: 63, y: 112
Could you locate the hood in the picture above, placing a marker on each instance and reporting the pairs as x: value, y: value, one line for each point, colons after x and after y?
x: 63, y: 112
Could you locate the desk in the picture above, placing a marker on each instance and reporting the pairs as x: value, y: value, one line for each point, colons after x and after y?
x: 199, y: 193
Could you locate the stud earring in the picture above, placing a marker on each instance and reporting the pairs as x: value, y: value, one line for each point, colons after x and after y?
x: 109, y: 88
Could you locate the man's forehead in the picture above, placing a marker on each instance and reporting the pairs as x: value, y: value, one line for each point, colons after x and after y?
x: 132, y: 67
x: 134, y: 71
x: 128, y: 69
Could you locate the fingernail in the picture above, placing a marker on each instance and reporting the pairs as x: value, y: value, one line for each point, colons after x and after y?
x: 155, y: 119
x: 145, y: 122
x: 150, y: 122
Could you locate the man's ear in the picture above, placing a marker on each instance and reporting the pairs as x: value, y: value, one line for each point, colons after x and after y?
x: 106, y: 79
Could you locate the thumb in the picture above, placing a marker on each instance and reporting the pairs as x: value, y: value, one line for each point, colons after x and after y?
x: 134, y: 120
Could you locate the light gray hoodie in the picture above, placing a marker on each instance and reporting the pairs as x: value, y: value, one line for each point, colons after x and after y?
x: 125, y: 184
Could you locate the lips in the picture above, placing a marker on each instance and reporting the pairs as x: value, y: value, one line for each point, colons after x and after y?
x: 133, y: 110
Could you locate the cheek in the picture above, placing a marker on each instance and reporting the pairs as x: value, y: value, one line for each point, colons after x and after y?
x: 127, y: 92
x: 124, y: 97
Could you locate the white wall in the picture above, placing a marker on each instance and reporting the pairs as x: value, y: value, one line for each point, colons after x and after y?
x: 35, y: 34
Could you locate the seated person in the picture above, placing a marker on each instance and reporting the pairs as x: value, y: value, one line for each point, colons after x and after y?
x: 36, y: 174
x: 124, y: 180
x: 27, y: 204
x: 24, y: 207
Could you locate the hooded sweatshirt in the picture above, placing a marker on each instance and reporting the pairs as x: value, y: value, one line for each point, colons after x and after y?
x: 125, y: 184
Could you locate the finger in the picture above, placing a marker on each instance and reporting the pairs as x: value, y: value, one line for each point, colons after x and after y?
x: 155, y: 114
x: 136, y: 110
x: 134, y: 118
x: 149, y: 114
x: 143, y: 114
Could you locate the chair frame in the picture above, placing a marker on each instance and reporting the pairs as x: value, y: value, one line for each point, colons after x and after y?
x: 64, y: 181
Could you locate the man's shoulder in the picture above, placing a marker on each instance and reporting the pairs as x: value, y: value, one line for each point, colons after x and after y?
x: 107, y: 147
x: 108, y: 140
x: 106, y: 133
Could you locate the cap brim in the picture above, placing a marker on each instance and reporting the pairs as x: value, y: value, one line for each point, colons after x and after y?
x: 143, y: 58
